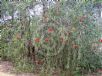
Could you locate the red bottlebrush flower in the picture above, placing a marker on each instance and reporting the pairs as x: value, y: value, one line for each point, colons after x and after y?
x: 37, y: 39
x: 50, y: 30
x: 100, y: 40
x: 46, y: 39
x: 75, y: 46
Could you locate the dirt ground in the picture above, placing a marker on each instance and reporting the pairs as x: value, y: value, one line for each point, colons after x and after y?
x: 6, y: 69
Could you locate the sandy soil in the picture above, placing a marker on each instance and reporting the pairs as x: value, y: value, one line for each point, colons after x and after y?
x: 6, y: 69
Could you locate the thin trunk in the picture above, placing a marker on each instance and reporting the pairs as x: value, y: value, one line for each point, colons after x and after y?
x: 45, y: 11
x: 57, y: 6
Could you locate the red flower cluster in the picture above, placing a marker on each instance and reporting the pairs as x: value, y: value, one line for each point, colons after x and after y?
x: 100, y: 40
x: 50, y: 30
x: 37, y: 39
x: 46, y: 39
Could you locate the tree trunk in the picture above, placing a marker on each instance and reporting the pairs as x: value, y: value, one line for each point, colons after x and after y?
x: 57, y: 6
x: 45, y: 11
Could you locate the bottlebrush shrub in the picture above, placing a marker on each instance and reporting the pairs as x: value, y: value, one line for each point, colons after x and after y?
x: 64, y: 43
x: 55, y: 43
x: 69, y: 47
x: 51, y: 40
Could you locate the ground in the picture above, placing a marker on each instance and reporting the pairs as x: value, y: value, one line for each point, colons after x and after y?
x: 6, y: 69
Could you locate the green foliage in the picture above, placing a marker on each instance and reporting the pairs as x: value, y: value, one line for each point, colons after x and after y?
x: 13, y: 49
x: 89, y: 62
x: 67, y: 41
x: 78, y: 49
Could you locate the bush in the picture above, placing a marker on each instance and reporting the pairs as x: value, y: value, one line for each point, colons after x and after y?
x: 63, y: 41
